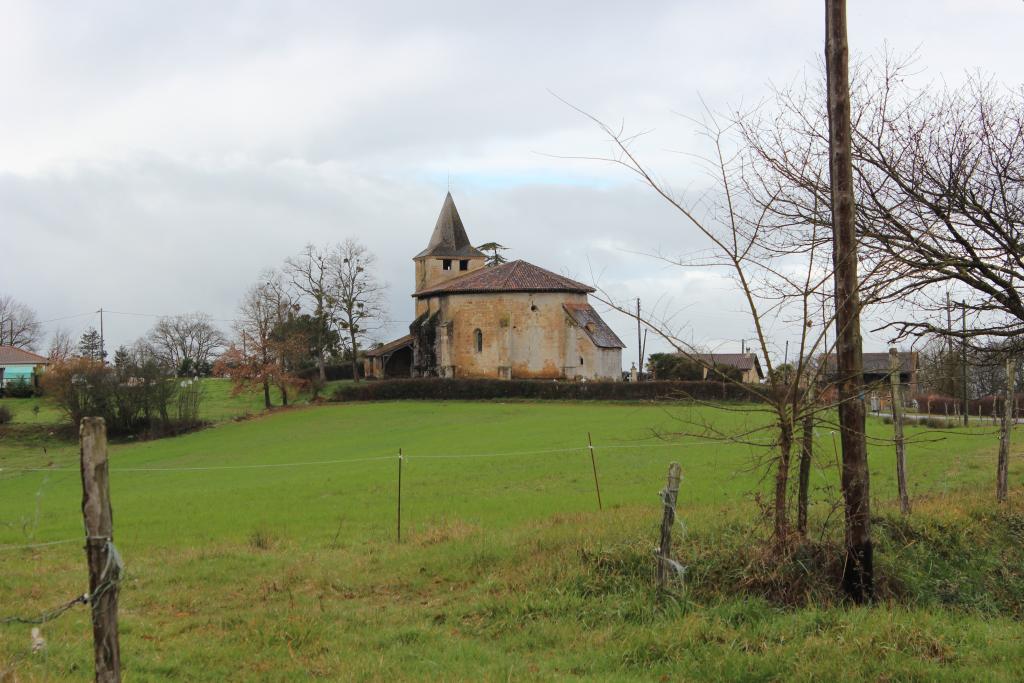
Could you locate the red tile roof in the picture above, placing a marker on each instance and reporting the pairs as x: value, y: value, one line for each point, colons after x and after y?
x: 10, y: 355
x: 514, y: 276
x: 587, y: 318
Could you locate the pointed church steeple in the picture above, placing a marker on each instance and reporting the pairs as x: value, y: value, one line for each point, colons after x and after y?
x: 449, y: 239
x: 449, y: 254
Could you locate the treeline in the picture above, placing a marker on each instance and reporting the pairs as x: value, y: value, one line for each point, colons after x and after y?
x: 301, y: 323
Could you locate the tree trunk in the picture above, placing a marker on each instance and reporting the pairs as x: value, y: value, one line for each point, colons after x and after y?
x: 1003, y: 468
x: 858, y: 581
x: 782, y: 479
x: 355, y: 350
x: 806, y: 452
x: 266, y: 394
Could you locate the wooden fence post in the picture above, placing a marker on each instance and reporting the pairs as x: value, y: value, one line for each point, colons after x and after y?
x: 897, y: 423
x: 104, y: 564
x: 593, y: 464
x: 1003, y: 467
x: 668, y: 520
x: 400, y: 495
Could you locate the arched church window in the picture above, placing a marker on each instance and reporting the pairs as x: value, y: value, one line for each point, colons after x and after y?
x: 478, y: 340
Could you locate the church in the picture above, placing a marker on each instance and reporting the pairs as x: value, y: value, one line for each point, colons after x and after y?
x: 509, y: 321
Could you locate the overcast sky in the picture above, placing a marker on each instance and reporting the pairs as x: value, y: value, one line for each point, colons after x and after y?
x: 154, y: 157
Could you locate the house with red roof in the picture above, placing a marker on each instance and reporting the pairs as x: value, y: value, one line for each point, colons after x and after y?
x: 18, y: 365
x: 509, y: 321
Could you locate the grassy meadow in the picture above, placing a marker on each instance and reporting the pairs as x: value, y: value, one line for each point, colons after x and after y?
x: 264, y: 549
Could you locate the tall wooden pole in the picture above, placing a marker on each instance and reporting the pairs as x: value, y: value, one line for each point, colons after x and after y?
x: 963, y: 357
x: 897, y: 424
x: 858, y: 572
x: 104, y: 566
x: 1003, y: 468
x: 949, y: 325
x: 639, y: 343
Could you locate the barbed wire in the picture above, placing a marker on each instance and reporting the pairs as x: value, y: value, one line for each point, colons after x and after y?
x: 33, y: 546
x: 109, y: 579
x: 342, y: 461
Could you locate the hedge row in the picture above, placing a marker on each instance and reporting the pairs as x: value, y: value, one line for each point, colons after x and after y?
x: 484, y: 389
x: 332, y: 372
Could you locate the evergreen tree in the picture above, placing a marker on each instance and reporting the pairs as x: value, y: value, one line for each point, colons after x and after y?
x: 494, y: 258
x: 91, y: 345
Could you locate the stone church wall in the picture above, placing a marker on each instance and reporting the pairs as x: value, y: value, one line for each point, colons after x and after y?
x: 524, y: 336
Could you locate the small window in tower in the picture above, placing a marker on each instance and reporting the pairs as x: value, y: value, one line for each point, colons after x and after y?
x: 581, y: 360
x: 478, y: 339
x: 446, y: 264
x: 464, y: 264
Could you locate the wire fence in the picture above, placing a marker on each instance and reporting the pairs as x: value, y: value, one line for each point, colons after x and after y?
x: 113, y: 574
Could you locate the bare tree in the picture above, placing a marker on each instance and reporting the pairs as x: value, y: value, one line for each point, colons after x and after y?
x: 62, y: 346
x: 19, y: 325
x: 188, y: 343
x: 946, y: 172
x: 312, y: 273
x: 360, y: 295
x: 779, y: 286
x: 253, y: 358
x: 938, y: 174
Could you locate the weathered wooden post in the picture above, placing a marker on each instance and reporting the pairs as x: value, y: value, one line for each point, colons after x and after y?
x: 104, y: 563
x: 400, y: 495
x: 806, y: 455
x: 593, y: 464
x: 897, y: 423
x: 668, y: 520
x: 1003, y: 468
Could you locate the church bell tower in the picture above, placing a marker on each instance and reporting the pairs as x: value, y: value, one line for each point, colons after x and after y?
x: 449, y: 253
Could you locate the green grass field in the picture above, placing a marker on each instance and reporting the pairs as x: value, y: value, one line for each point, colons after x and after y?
x: 265, y: 550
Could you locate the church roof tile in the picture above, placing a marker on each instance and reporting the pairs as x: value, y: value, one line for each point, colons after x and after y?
x: 596, y: 328
x: 514, y: 276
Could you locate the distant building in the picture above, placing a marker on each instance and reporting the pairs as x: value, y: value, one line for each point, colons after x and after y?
x: 509, y: 321
x: 876, y: 377
x: 19, y: 365
x: 747, y: 364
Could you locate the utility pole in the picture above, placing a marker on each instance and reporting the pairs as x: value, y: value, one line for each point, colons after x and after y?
x: 963, y: 355
x: 103, y: 348
x: 639, y: 343
x: 949, y: 325
x: 858, y: 567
